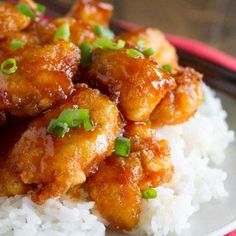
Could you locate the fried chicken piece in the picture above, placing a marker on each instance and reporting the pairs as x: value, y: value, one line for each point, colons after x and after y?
x: 154, y: 155
x: 41, y: 30
x: 43, y: 78
x: 116, y: 186
x: 115, y: 190
x: 146, y: 38
x: 10, y: 182
x: 92, y: 12
x: 11, y: 20
x: 55, y: 164
x: 79, y: 31
x: 180, y: 104
x: 136, y: 84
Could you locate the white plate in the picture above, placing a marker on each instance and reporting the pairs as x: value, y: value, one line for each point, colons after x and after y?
x: 217, y: 218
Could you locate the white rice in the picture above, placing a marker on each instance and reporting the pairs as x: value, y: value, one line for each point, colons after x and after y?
x: 197, y: 148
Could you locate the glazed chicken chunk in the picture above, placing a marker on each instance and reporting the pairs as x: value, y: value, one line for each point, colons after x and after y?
x: 116, y: 186
x: 181, y: 103
x: 79, y: 30
x: 51, y: 165
x: 146, y: 38
x: 42, y: 78
x: 11, y: 20
x: 136, y: 84
x: 92, y: 12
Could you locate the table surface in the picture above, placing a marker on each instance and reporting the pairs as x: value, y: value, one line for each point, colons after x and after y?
x: 210, y: 21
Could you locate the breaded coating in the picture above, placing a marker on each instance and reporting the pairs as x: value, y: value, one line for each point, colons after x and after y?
x: 43, y: 78
x: 11, y: 19
x: 145, y: 38
x: 115, y: 190
x: 92, y: 12
x: 79, y: 31
x: 136, y: 84
x: 116, y: 186
x: 180, y: 104
x: 51, y: 165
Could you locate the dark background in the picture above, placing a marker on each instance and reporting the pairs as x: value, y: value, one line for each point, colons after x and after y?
x: 211, y: 21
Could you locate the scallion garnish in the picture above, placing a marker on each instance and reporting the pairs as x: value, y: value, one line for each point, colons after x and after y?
x: 86, y: 53
x: 74, y: 117
x: 106, y: 43
x: 70, y: 118
x: 63, y: 33
x: 16, y: 44
x: 8, y: 66
x: 122, y: 146
x: 57, y: 128
x: 149, y: 193
x: 134, y: 53
x: 40, y: 8
x: 25, y: 10
x: 167, y: 68
x: 88, y: 125
x: 148, y: 52
x: 101, y: 31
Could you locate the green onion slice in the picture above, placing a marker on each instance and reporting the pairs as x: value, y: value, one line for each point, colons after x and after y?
x: 57, y: 128
x: 25, y: 10
x: 74, y: 117
x: 63, y: 32
x: 40, y: 8
x: 149, y: 193
x: 106, y: 43
x: 16, y: 44
x: 101, y: 31
x: 8, y: 66
x: 86, y: 53
x: 122, y: 146
x: 148, y: 52
x: 88, y: 125
x: 134, y: 53
x: 167, y: 68
x: 70, y: 118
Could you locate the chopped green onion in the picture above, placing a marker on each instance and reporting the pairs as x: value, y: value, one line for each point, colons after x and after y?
x: 88, y: 125
x: 140, y: 44
x: 106, y: 43
x: 167, y: 68
x: 63, y: 32
x: 149, y: 193
x: 57, y: 128
x: 148, y: 52
x: 101, y: 31
x: 86, y: 53
x: 16, y: 44
x: 40, y: 8
x: 74, y: 117
x: 9, y: 66
x: 70, y: 118
x: 25, y: 10
x: 134, y: 53
x: 122, y: 146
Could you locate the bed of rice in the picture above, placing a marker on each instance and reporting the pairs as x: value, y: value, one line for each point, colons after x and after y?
x: 197, y: 151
